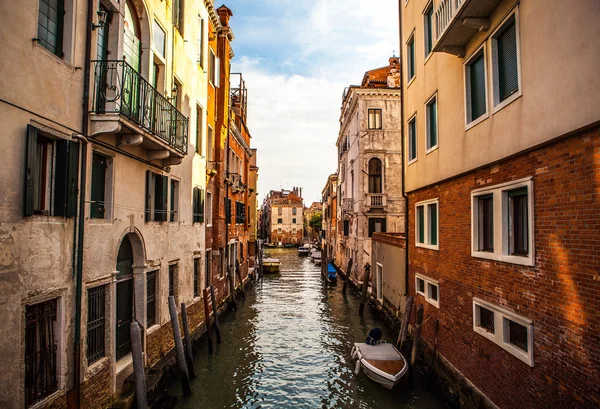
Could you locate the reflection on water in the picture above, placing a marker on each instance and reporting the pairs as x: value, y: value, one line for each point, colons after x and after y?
x: 288, y: 346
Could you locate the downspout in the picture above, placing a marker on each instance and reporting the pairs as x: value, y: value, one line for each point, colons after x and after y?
x: 402, y: 138
x: 74, y: 399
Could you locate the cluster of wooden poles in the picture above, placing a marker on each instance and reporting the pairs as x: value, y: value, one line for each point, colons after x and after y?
x: 402, y: 335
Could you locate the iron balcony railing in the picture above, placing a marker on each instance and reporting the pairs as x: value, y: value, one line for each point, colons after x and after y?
x: 119, y: 88
x: 444, y: 14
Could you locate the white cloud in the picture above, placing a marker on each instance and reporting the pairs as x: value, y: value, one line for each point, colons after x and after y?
x: 294, y: 116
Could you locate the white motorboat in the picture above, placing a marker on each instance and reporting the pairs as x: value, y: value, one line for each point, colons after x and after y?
x: 314, y: 254
x: 380, y: 362
x: 270, y: 265
x: 304, y: 250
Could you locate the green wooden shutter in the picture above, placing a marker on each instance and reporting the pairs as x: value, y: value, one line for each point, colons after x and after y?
x: 147, y: 206
x: 194, y: 205
x: 60, y: 178
x: 477, y: 82
x: 72, y: 179
x: 201, y: 210
x: 164, y: 186
x: 31, y: 165
x: 508, y: 72
x: 98, y: 186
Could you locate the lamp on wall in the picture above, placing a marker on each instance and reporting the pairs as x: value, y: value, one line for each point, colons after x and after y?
x: 102, y: 14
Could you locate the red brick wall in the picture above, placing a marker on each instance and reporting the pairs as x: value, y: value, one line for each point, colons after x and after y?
x: 561, y: 293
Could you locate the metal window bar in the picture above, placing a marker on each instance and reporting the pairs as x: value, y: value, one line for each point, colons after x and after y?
x: 517, y: 335
x: 119, y: 88
x: 40, y: 351
x: 172, y: 280
x: 486, y: 319
x: 96, y: 323
x: 151, y: 299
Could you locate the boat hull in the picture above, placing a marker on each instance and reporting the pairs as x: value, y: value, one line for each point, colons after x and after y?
x: 381, y: 363
x: 270, y: 269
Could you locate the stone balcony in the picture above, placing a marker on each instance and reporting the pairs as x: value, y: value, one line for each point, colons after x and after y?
x: 376, y: 201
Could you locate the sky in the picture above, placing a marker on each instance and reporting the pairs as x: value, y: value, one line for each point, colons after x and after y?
x: 296, y: 57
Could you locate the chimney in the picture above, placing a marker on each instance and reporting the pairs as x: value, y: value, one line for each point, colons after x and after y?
x: 224, y: 15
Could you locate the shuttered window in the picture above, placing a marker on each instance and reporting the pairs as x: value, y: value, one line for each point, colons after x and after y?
x: 412, y: 139
x: 156, y: 197
x: 51, y: 15
x: 174, y: 215
x: 201, y: 43
x: 432, y: 128
x: 507, y: 60
x: 377, y: 225
x: 476, y: 94
x: 374, y: 118
x: 48, y: 159
x: 198, y: 205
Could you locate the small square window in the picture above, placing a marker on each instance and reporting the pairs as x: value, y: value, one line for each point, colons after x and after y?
x: 374, y: 118
x: 420, y: 285
x: 486, y: 319
x: 517, y: 334
x: 426, y: 224
x: 428, y: 288
x: 432, y: 291
x: 279, y: 221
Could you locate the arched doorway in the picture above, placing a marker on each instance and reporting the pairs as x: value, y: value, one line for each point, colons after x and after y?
x: 124, y: 297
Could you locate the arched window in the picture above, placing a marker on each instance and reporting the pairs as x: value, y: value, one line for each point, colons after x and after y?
x: 375, y: 173
x: 132, y: 38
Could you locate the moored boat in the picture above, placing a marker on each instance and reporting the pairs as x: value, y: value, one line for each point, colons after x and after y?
x: 270, y: 265
x: 380, y: 361
x: 331, y: 273
x: 304, y: 250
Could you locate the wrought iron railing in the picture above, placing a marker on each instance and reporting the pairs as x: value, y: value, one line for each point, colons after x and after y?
x: 119, y: 88
x: 444, y: 15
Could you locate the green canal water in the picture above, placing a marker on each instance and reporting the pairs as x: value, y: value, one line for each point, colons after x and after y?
x: 288, y: 346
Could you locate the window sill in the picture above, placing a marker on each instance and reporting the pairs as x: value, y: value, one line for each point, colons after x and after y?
x: 410, y: 162
x: 428, y: 57
x: 428, y: 246
x: 55, y: 57
x: 94, y: 368
x: 506, y: 102
x: 505, y: 258
x: 434, y: 148
x: 44, y: 403
x: 98, y: 221
x: 152, y: 329
x: 476, y: 122
x: 411, y: 81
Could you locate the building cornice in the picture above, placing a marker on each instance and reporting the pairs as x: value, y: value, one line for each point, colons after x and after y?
x: 238, y: 137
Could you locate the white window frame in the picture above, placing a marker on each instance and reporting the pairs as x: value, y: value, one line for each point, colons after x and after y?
x: 410, y: 80
x: 208, y: 208
x: 379, y: 277
x: 501, y: 223
x: 500, y: 335
x: 426, y: 294
x: 162, y: 57
x: 467, y: 85
x: 426, y: 244
x: 375, y: 117
x: 497, y: 104
x: 408, y: 142
x: 437, y: 124
x: 425, y: 24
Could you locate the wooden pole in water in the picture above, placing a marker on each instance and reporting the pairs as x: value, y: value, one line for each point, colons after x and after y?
x: 405, y: 320
x: 324, y: 261
x: 207, y: 319
x: 416, y: 336
x: 188, y: 343
x: 138, y: 365
x: 238, y: 270
x: 231, y: 287
x: 215, y: 313
x: 183, y: 373
x: 347, y: 277
x: 365, y: 288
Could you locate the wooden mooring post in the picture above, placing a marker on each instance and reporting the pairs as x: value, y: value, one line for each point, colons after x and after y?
x: 189, y: 357
x: 205, y: 293
x: 238, y: 270
x: 416, y: 337
x: 215, y: 313
x: 405, y: 321
x: 365, y: 288
x: 180, y: 356
x: 324, y: 261
x: 141, y: 397
x: 347, y: 276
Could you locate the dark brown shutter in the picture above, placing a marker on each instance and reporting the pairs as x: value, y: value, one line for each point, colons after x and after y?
x: 164, y: 197
x: 147, y: 206
x: 30, y: 167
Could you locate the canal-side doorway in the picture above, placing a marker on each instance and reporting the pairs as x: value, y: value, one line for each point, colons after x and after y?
x: 124, y: 297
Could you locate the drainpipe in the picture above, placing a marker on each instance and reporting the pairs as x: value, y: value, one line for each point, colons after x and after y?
x: 73, y: 400
x: 402, y: 138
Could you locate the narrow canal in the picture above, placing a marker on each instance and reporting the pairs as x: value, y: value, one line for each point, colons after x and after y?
x: 288, y: 346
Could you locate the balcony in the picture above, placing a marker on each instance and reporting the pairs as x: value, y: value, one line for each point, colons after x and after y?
x: 376, y: 201
x: 456, y: 21
x: 125, y: 104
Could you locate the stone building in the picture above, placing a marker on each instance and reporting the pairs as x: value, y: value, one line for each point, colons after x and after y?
x: 310, y: 233
x: 502, y: 148
x: 283, y: 217
x: 253, y: 216
x: 329, y: 203
x: 369, y: 197
x: 104, y: 206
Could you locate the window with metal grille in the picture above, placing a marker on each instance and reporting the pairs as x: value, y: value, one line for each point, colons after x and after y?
x: 41, y: 348
x: 150, y: 299
x: 517, y: 334
x: 486, y: 319
x: 432, y: 128
x: 507, y: 65
x: 172, y: 278
x: 51, y: 15
x: 410, y: 58
x: 518, y: 221
x: 476, y: 90
x: 96, y: 323
x: 485, y: 216
x: 196, y: 277
x: 412, y: 139
x: 374, y: 118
